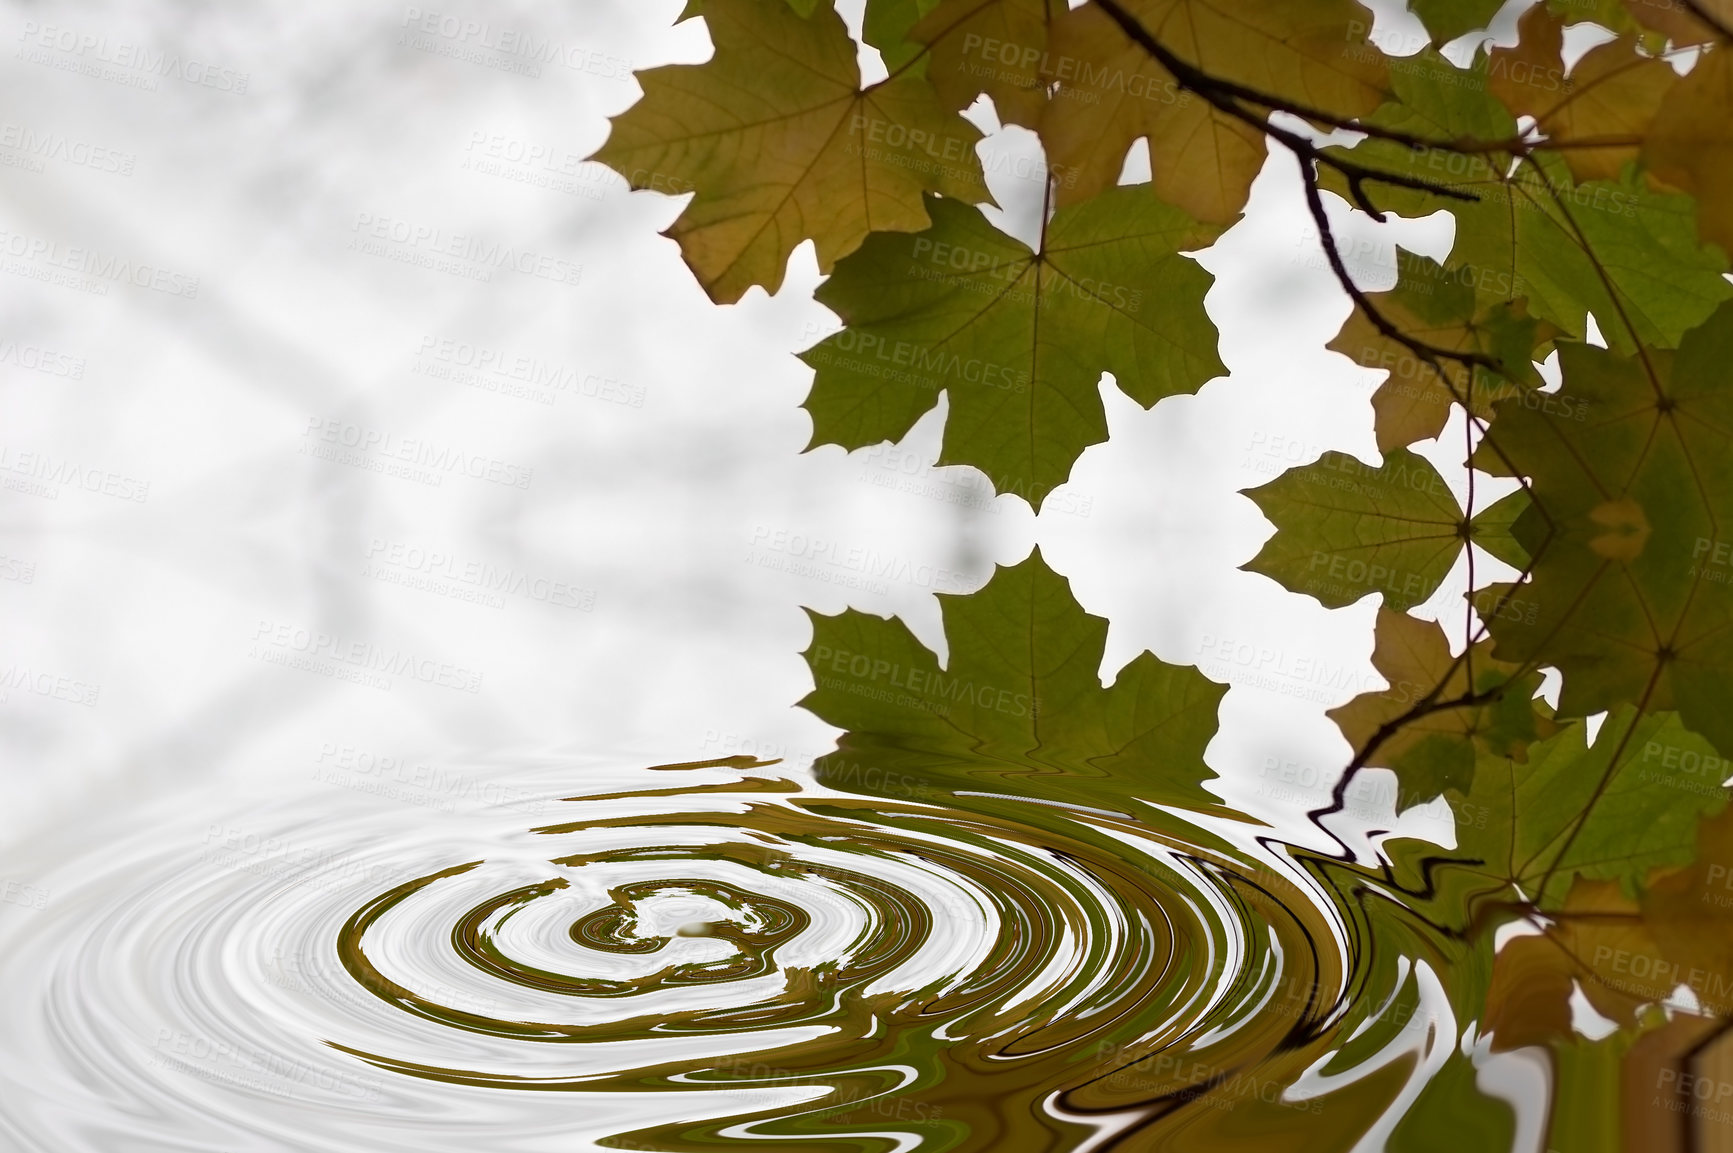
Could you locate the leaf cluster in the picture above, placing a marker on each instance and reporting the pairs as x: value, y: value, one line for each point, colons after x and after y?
x: 1592, y: 200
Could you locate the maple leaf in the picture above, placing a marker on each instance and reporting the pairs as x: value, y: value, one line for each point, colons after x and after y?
x: 1626, y: 953
x: 1111, y: 91
x: 1018, y: 706
x: 1617, y: 844
x: 1690, y: 144
x: 1632, y: 587
x: 1577, y: 841
x: 1611, y: 94
x: 1689, y: 911
x: 1445, y: 20
x: 1616, y: 249
x: 1627, y: 950
x: 1441, y: 309
x: 1494, y: 531
x: 1612, y: 811
x: 887, y: 25
x: 997, y: 47
x: 1534, y: 977
x: 1680, y: 24
x: 1345, y: 529
x: 1437, y: 749
x: 1016, y: 339
x: 828, y: 162
x: 1618, y: 809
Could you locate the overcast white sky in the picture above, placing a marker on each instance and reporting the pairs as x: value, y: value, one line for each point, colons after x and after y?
x: 174, y: 527
x: 201, y: 472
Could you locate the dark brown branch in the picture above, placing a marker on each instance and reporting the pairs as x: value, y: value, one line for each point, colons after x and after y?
x: 1192, y: 77
x: 1431, y: 354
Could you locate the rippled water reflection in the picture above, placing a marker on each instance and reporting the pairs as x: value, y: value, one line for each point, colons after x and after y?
x: 684, y: 957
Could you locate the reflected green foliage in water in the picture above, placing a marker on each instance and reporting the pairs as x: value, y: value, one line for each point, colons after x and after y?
x: 1018, y: 707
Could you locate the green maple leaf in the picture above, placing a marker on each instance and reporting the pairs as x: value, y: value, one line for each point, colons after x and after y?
x: 1576, y: 831
x: 1632, y: 589
x: 1495, y: 526
x: 1445, y: 20
x: 1016, y: 339
x: 1613, y: 811
x: 1603, y: 840
x: 887, y: 25
x: 778, y: 144
x: 1018, y: 707
x: 1616, y: 249
x: 1345, y: 529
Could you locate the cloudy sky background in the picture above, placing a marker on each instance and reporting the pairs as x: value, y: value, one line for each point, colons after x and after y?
x: 657, y: 507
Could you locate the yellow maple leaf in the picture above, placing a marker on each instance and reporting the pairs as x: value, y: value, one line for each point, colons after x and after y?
x: 779, y: 144
x: 1112, y: 91
x: 1690, y: 144
x: 1611, y: 95
x: 998, y: 47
